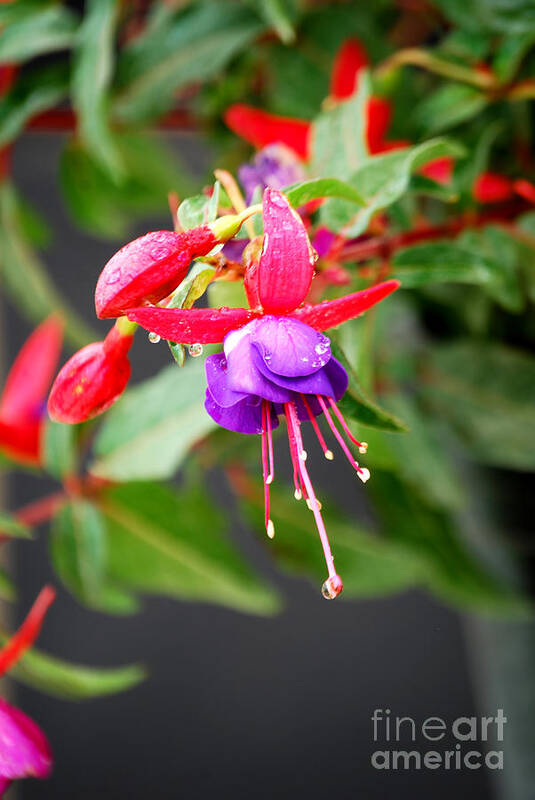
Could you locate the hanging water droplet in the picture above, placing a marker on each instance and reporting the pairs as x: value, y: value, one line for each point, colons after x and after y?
x: 332, y: 587
x: 154, y: 338
x: 195, y: 350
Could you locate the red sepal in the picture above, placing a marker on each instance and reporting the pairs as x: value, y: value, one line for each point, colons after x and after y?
x: 24, y: 396
x: 261, y: 128
x: 286, y: 265
x: 350, y: 58
x: 330, y: 313
x: 525, y: 189
x: 192, y: 325
x: 28, y: 631
x: 92, y: 380
x: 491, y: 187
x: 148, y: 269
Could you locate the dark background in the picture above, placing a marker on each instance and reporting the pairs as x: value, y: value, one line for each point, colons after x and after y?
x: 239, y: 706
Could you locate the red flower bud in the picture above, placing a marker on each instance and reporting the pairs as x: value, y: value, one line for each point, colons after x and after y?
x: 148, y: 269
x: 490, y: 187
x: 92, y: 380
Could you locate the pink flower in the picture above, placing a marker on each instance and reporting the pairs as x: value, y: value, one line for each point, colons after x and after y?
x: 23, y: 400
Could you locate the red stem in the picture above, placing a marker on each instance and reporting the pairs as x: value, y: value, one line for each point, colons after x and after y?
x: 28, y: 631
x: 40, y: 510
x: 385, y: 246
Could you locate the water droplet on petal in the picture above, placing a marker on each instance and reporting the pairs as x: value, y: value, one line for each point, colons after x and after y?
x: 154, y: 338
x: 195, y: 350
x: 332, y: 587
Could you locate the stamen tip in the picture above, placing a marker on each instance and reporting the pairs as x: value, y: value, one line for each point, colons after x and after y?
x: 270, y: 529
x: 329, y: 455
x: 364, y: 474
x: 303, y: 455
x: 298, y: 494
x: 311, y: 505
x: 332, y: 587
x: 363, y: 447
x: 269, y: 479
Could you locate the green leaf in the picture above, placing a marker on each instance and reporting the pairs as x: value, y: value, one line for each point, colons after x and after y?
x: 42, y: 31
x: 512, y: 16
x: 450, y: 569
x: 480, y: 260
x: 450, y: 105
x: 198, y: 210
x: 193, y: 286
x: 73, y: 681
x: 150, y: 430
x: 358, y: 406
x: 382, y: 180
x: 485, y: 392
x: 304, y: 192
x: 78, y: 549
x: 91, y: 77
x: 280, y: 15
x: 339, y: 144
x: 60, y: 449
x: 193, y: 47
x: 25, y: 279
x: 10, y: 526
x: 7, y: 588
x: 509, y: 54
x: 174, y: 544
x: 38, y: 89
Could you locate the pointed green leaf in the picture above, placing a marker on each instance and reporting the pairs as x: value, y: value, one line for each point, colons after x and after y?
x: 10, y: 526
x: 174, y: 543
x: 38, y: 89
x: 43, y: 30
x: 149, y: 431
x: 304, y: 192
x: 60, y: 449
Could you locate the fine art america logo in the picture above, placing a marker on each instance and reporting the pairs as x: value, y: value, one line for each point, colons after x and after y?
x: 404, y: 743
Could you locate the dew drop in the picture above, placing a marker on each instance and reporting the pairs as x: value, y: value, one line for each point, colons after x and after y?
x: 332, y: 587
x: 195, y: 350
x: 154, y: 338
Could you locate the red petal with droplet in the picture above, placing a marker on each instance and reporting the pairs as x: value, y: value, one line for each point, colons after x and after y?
x: 92, y: 380
x: 333, y: 312
x: 490, y: 187
x: 148, y: 269
x: 192, y: 325
x: 350, y: 58
x: 286, y: 263
x: 260, y: 128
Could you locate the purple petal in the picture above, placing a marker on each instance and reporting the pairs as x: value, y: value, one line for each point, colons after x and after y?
x: 24, y: 749
x: 243, y: 376
x: 275, y: 166
x: 243, y: 417
x: 330, y: 381
x: 217, y: 380
x: 323, y: 241
x: 289, y: 347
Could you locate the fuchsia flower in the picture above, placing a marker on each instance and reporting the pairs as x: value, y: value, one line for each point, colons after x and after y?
x: 24, y: 749
x: 23, y: 400
x: 276, y: 361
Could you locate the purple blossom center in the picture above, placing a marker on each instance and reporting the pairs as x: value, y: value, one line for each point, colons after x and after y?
x: 275, y: 167
x: 277, y: 359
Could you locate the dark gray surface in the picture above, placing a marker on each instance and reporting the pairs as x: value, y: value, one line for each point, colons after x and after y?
x: 235, y: 706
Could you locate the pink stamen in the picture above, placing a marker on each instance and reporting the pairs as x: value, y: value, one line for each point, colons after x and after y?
x: 326, y: 452
x: 362, y: 446
x: 333, y: 585
x: 363, y: 473
x: 267, y: 521
x: 300, y: 490
x: 270, y: 443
